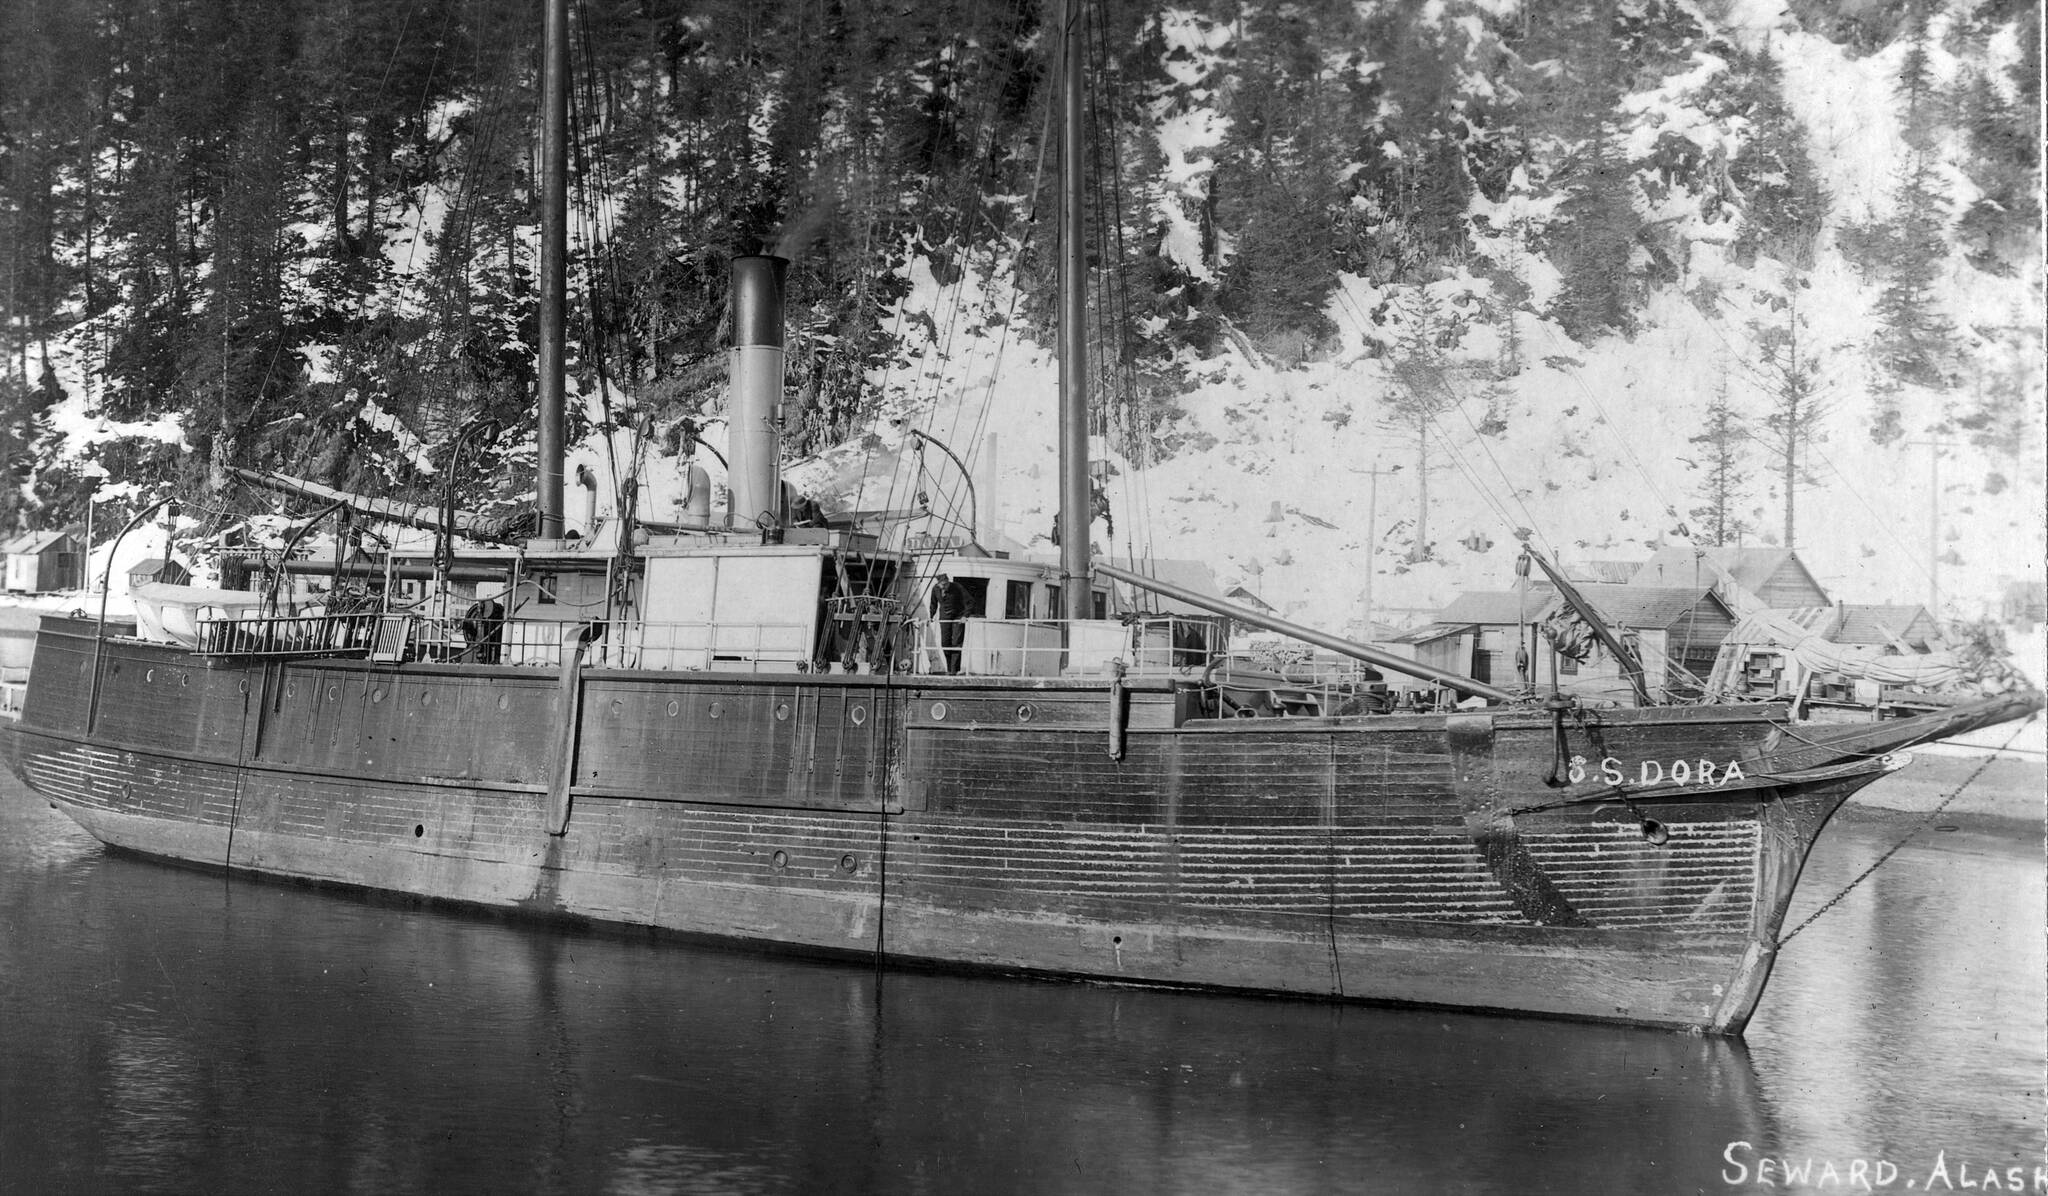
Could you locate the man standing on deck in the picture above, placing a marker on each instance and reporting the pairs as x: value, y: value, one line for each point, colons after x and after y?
x: 951, y: 604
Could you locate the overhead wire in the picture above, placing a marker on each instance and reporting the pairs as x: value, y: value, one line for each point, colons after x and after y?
x: 1883, y: 523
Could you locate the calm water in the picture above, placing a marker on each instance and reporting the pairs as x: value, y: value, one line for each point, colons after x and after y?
x: 165, y: 1030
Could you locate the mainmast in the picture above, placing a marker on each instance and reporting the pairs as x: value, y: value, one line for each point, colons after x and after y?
x: 1073, y: 336
x: 554, y: 249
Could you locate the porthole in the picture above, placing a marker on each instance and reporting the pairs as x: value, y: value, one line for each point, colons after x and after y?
x: 674, y: 707
x: 780, y: 859
x: 938, y: 712
x: 849, y: 863
x: 377, y: 695
x: 504, y: 701
x: 291, y: 691
x: 419, y: 831
x: 859, y: 715
x: 1026, y: 712
x: 782, y: 712
x: 334, y: 693
x: 717, y: 710
x: 426, y: 698
x: 147, y: 674
x: 618, y: 707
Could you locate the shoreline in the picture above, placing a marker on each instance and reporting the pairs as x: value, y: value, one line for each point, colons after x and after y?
x: 2003, y: 794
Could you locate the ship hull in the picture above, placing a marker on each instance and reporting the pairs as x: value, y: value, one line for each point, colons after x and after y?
x: 1056, y: 828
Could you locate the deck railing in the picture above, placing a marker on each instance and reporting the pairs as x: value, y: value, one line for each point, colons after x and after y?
x: 618, y: 643
x: 288, y: 635
x: 862, y: 640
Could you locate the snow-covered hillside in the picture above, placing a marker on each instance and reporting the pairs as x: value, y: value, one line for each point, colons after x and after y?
x: 1498, y: 303
x: 1295, y: 479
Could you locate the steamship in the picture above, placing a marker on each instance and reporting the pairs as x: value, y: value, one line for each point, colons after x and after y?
x: 743, y: 729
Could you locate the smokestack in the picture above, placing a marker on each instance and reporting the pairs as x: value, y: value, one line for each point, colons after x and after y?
x: 753, y: 409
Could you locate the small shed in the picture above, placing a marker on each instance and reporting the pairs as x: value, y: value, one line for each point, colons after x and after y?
x: 1475, y: 635
x: 158, y: 569
x: 42, y: 562
x: 1901, y: 628
x: 2024, y: 603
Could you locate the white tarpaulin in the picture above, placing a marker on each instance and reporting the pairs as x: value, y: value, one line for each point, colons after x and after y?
x: 170, y: 614
x: 1770, y: 629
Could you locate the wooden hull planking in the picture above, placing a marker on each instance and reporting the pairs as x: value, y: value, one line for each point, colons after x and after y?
x: 959, y: 822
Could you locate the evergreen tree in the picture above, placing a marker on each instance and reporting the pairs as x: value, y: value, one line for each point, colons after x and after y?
x: 1723, y: 484
x: 1421, y: 392
x: 1783, y: 202
x: 1914, y: 341
x: 1915, y: 85
x: 1787, y: 367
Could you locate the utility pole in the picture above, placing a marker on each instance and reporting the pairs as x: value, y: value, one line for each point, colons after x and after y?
x: 1372, y: 544
x: 1934, y: 448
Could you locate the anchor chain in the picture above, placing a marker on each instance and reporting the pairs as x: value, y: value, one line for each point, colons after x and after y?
x: 1917, y: 828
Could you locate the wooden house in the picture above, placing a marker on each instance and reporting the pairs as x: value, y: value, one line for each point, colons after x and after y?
x: 42, y: 562
x: 1676, y: 631
x: 158, y: 569
x: 1743, y: 578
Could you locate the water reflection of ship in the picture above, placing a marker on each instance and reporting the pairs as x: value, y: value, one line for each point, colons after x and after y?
x: 707, y: 754
x: 369, y: 1034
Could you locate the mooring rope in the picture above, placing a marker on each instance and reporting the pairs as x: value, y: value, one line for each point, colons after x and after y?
x: 1917, y: 828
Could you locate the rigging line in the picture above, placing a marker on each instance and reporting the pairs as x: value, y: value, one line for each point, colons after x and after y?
x: 1895, y: 848
x: 1458, y: 404
x: 993, y: 271
x: 984, y: 135
x: 1113, y: 318
x: 1499, y: 510
x: 1468, y: 473
x: 458, y: 231
x: 1627, y: 450
x: 941, y: 341
x: 1022, y: 245
x: 975, y: 185
x: 1451, y: 450
x: 1883, y: 523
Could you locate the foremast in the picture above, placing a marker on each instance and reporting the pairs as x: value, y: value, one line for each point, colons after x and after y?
x: 1074, y: 507
x: 554, y: 252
